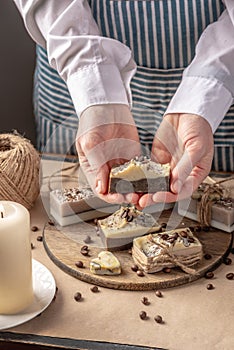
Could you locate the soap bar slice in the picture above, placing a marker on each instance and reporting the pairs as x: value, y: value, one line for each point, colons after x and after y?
x: 72, y: 205
x: 139, y: 175
x: 222, y: 212
x: 105, y: 264
x: 172, y: 248
x: 118, y: 230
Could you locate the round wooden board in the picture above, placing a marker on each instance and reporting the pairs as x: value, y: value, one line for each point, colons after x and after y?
x: 63, y: 247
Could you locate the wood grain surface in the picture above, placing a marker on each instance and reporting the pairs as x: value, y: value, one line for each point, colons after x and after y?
x: 63, y: 246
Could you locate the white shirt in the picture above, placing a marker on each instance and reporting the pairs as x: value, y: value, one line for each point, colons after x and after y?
x: 98, y: 70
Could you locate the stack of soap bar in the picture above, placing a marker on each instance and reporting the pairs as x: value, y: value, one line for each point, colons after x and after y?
x: 222, y: 210
x: 139, y: 175
x: 118, y: 230
x: 179, y: 247
x: 105, y: 264
x: 73, y: 205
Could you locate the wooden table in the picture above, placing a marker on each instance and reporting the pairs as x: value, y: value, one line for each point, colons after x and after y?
x: 195, y: 318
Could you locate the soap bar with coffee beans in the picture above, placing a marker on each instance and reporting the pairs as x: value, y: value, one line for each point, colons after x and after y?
x: 222, y: 209
x: 139, y: 175
x: 157, y: 251
x: 105, y: 264
x: 72, y: 205
x: 118, y: 230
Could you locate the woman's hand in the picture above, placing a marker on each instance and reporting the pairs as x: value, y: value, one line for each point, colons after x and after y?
x: 186, y: 142
x: 107, y: 136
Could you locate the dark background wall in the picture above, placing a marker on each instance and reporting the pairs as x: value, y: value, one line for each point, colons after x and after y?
x: 17, y: 56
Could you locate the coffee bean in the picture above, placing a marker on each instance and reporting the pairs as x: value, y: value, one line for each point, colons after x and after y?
x: 227, y: 261
x: 208, y: 256
x: 134, y: 268
x: 184, y: 234
x: 34, y: 228
x: 158, y: 293
x: 165, y: 236
x: 94, y: 289
x: 140, y: 273
x: 87, y: 239
x: 230, y: 276
x: 79, y: 264
x: 209, y: 286
x: 84, y: 250
x: 143, y: 315
x: 209, y: 274
x: 51, y: 222
x: 39, y: 238
x: 145, y: 301
x: 78, y: 296
x: 166, y: 269
x: 163, y: 224
x: 197, y: 229
x: 158, y: 319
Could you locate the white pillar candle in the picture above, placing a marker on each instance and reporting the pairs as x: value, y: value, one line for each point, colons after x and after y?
x: 16, y: 290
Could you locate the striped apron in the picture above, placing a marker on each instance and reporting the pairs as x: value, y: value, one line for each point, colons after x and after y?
x: 162, y: 35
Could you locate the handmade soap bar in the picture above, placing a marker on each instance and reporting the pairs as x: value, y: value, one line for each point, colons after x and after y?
x: 73, y: 205
x: 219, y: 212
x: 139, y: 175
x: 172, y: 248
x: 119, y: 229
x: 105, y: 264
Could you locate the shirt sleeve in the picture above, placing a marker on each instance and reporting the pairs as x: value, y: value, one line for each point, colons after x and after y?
x: 97, y: 70
x: 207, y: 86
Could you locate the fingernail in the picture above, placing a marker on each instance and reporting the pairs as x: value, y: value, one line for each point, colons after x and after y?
x: 177, y: 186
x: 99, y: 186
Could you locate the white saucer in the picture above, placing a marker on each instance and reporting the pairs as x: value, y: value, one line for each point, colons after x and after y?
x: 44, y: 290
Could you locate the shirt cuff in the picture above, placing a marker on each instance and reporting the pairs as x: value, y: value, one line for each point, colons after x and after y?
x: 202, y: 96
x: 99, y: 83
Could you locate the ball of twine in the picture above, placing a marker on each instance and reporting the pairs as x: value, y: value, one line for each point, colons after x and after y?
x: 19, y: 170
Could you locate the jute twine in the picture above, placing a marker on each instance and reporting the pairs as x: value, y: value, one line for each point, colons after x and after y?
x: 211, y: 194
x: 19, y: 170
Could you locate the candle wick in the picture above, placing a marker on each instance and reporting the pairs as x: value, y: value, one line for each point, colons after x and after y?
x: 2, y: 215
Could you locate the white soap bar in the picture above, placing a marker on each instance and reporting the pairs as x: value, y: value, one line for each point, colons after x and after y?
x: 222, y: 213
x: 105, y: 264
x: 73, y: 205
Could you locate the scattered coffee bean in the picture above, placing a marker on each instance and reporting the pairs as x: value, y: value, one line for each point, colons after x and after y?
x: 87, y: 239
x: 209, y: 275
x: 158, y: 293
x: 84, y: 250
x: 145, y: 301
x: 94, y: 289
x: 143, y: 315
x: 230, y: 276
x: 78, y: 296
x: 207, y: 256
x: 39, y: 238
x: 209, y: 286
x: 227, y: 261
x: 34, y: 228
x: 158, y: 319
x: 140, y: 273
x: 167, y: 269
x: 79, y: 264
x: 134, y: 268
